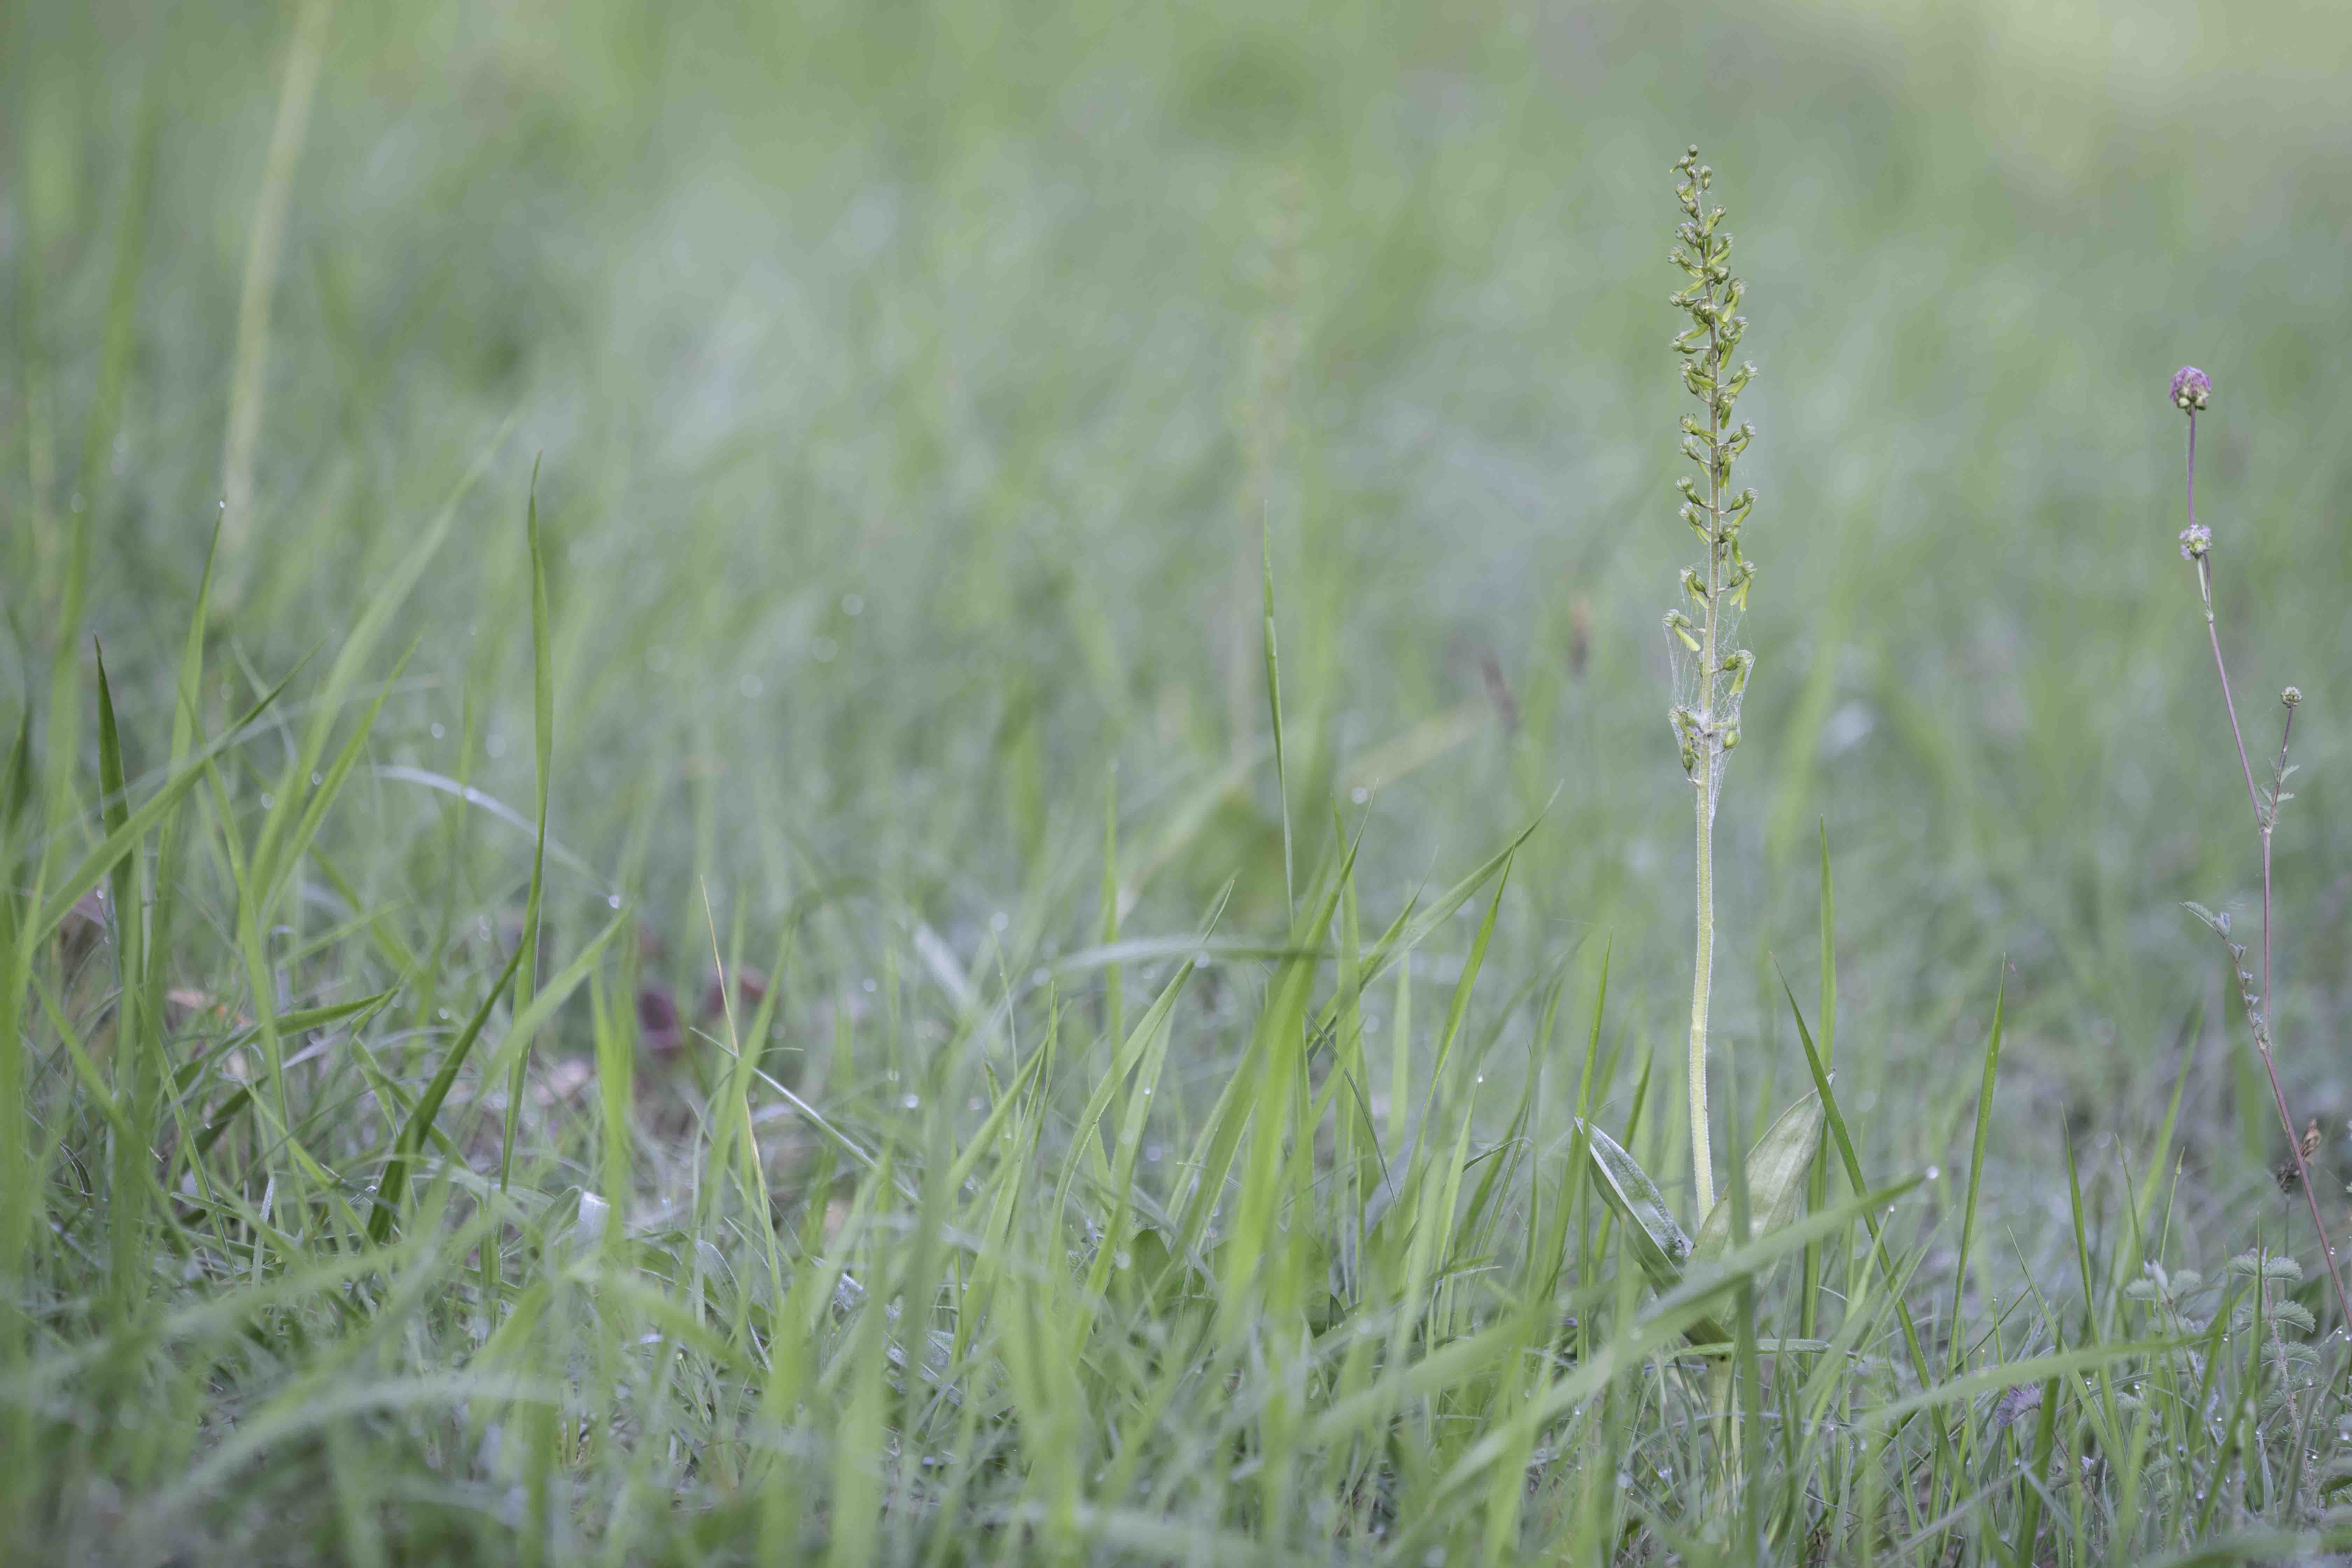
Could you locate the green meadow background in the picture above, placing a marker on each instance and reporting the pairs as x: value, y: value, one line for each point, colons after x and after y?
x: 981, y: 321
x: 907, y: 386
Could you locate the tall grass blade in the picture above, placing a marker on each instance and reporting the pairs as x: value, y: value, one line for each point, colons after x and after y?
x: 1853, y: 1174
x: 1976, y: 1172
x: 542, y: 707
x: 135, y: 1067
x: 1274, y: 708
x: 395, y: 1181
x: 1809, y: 1289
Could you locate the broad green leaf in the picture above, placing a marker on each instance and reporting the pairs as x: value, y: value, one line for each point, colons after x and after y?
x: 1658, y: 1242
x: 1777, y: 1167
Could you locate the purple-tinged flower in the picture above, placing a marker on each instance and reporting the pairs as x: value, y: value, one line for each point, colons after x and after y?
x: 2195, y: 541
x: 2191, y: 389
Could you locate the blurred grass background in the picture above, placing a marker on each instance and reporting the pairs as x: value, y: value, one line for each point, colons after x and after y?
x: 909, y: 382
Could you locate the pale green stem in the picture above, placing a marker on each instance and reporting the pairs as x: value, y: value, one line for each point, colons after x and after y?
x: 1702, y: 981
x: 1702, y: 959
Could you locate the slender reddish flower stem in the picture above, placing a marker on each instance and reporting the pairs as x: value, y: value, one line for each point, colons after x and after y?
x: 2265, y: 824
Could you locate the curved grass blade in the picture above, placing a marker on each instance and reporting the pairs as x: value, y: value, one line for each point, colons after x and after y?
x: 100, y: 861
x: 428, y: 1107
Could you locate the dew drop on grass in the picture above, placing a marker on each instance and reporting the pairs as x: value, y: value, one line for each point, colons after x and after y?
x: 1935, y: 1172
x: 999, y: 921
x: 911, y: 1101
x: 438, y: 732
x: 612, y: 901
x: 1359, y: 795
x: 870, y: 987
x: 975, y: 1103
x: 267, y: 802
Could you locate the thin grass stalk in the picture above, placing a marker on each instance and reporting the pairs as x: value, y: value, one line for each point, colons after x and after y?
x: 2192, y: 390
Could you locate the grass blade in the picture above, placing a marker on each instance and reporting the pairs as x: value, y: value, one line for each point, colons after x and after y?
x: 1853, y: 1174
x: 542, y: 704
x: 135, y: 1067
x: 1976, y: 1171
x: 1809, y: 1289
x: 428, y: 1108
x: 1274, y: 708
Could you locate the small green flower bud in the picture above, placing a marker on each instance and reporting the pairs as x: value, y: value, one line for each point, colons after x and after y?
x: 2290, y: 696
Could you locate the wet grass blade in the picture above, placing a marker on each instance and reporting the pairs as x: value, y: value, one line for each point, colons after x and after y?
x: 1809, y: 1289
x: 1853, y: 1174
x: 1274, y: 708
x: 428, y: 1108
x: 99, y: 863
x: 1976, y: 1172
x: 136, y: 1070
x: 2093, y: 1320
x: 542, y: 707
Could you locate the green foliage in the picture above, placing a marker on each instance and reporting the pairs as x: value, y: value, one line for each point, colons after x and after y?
x: 626, y: 1023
